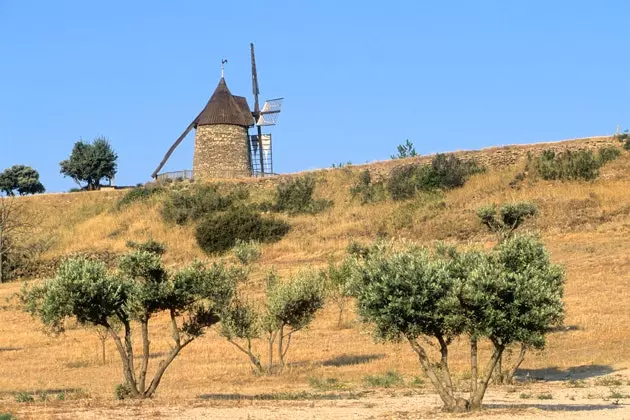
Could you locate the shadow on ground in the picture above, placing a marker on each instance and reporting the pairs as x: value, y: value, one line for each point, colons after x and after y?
x: 284, y: 396
x: 555, y: 407
x: 556, y: 374
x: 352, y: 359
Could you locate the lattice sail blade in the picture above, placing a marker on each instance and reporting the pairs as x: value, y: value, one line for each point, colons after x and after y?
x: 269, y: 112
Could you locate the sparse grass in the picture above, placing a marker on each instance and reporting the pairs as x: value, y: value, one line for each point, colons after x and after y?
x: 545, y: 396
x: 609, y: 381
x: 326, y: 384
x: 525, y: 395
x: 576, y: 383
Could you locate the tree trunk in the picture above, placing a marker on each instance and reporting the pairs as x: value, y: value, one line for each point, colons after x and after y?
x: 446, y: 374
x: 452, y: 403
x: 280, y: 347
x: 498, y: 371
x: 103, y: 349
x: 162, y: 368
x: 474, y: 373
x: 475, y: 402
x: 340, y: 319
x: 255, y: 361
x: 509, y: 377
x: 127, y: 362
x: 144, y: 328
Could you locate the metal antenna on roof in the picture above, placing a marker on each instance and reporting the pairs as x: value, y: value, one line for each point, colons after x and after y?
x: 223, y: 67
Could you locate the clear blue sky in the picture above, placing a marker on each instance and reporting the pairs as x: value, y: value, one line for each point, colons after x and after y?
x: 358, y: 77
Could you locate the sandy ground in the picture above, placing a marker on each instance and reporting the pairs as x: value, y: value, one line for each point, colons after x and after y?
x: 539, y: 400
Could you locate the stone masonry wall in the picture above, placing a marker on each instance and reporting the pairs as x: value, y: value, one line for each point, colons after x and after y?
x: 221, y: 151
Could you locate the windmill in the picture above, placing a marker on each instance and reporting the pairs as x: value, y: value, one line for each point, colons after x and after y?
x: 223, y: 146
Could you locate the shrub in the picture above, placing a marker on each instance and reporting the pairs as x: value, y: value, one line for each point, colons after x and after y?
x: 569, y: 165
x: 138, y: 194
x: 510, y: 216
x: 388, y: 380
x: 24, y: 397
x: 608, y: 154
x: 219, y: 232
x: 295, y: 196
x: 405, y: 150
x: 624, y: 138
x: 6, y: 416
x: 184, y: 206
x: 247, y: 251
x: 367, y: 190
x: 445, y: 172
x: 122, y: 391
x: 151, y: 246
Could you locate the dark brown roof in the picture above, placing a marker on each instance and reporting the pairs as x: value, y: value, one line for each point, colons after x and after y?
x: 224, y: 108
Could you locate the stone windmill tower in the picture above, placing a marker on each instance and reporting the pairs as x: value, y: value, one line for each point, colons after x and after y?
x: 223, y: 146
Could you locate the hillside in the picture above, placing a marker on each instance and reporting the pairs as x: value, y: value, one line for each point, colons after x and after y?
x: 584, y: 224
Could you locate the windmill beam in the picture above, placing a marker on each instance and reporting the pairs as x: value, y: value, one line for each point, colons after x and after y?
x: 173, y: 147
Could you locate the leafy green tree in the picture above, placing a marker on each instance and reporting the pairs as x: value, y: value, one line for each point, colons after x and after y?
x: 290, y: 307
x: 90, y: 163
x: 21, y: 179
x: 130, y: 298
x: 510, y: 216
x: 513, y: 294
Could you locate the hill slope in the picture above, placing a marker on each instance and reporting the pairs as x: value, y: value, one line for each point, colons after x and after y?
x: 584, y: 224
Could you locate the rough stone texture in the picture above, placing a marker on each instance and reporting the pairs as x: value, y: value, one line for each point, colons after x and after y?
x: 221, y: 151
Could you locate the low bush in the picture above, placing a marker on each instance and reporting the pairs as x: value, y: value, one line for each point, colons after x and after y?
x: 569, y: 165
x: 24, y: 397
x: 445, y: 172
x: 193, y: 204
x: 388, y: 380
x: 624, y: 138
x: 247, y: 252
x: 219, y: 232
x: 154, y: 247
x: 138, y: 194
x: 608, y: 154
x: 295, y: 196
x: 368, y: 190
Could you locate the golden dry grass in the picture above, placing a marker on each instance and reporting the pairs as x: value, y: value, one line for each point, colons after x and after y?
x: 586, y: 226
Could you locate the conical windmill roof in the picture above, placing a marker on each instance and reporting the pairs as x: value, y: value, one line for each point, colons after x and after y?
x: 225, y: 108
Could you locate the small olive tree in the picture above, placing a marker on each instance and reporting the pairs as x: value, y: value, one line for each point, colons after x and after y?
x: 290, y: 306
x: 338, y: 282
x: 418, y: 296
x: 506, y: 219
x: 131, y: 297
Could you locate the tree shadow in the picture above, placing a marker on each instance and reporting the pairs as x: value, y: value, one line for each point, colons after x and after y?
x: 283, y: 396
x: 556, y: 374
x: 47, y: 391
x: 10, y: 349
x: 555, y: 407
x: 352, y: 359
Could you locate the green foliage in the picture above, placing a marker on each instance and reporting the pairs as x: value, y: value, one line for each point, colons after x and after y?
x: 295, y: 196
x: 509, y: 217
x: 511, y: 295
x: 138, y: 194
x: 405, y: 150
x: 151, y: 246
x: 122, y: 392
x: 608, y: 154
x: 182, y: 207
x: 21, y: 179
x: 90, y: 163
x: 247, y: 252
x: 367, y: 190
x: 445, y: 172
x: 219, y: 232
x: 624, y: 138
x: 24, y: 397
x: 7, y: 416
x: 569, y: 165
x: 388, y: 380
x: 338, y: 283
x: 290, y: 306
x: 83, y: 289
x: 326, y: 384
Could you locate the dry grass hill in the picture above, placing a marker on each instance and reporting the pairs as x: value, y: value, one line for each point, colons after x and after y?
x: 586, y: 226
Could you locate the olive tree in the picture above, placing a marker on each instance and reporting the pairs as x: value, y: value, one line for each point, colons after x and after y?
x: 289, y: 306
x: 506, y: 219
x: 130, y: 298
x: 419, y: 297
x: 338, y: 281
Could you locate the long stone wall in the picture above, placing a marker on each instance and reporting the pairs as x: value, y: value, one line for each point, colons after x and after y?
x: 221, y: 151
